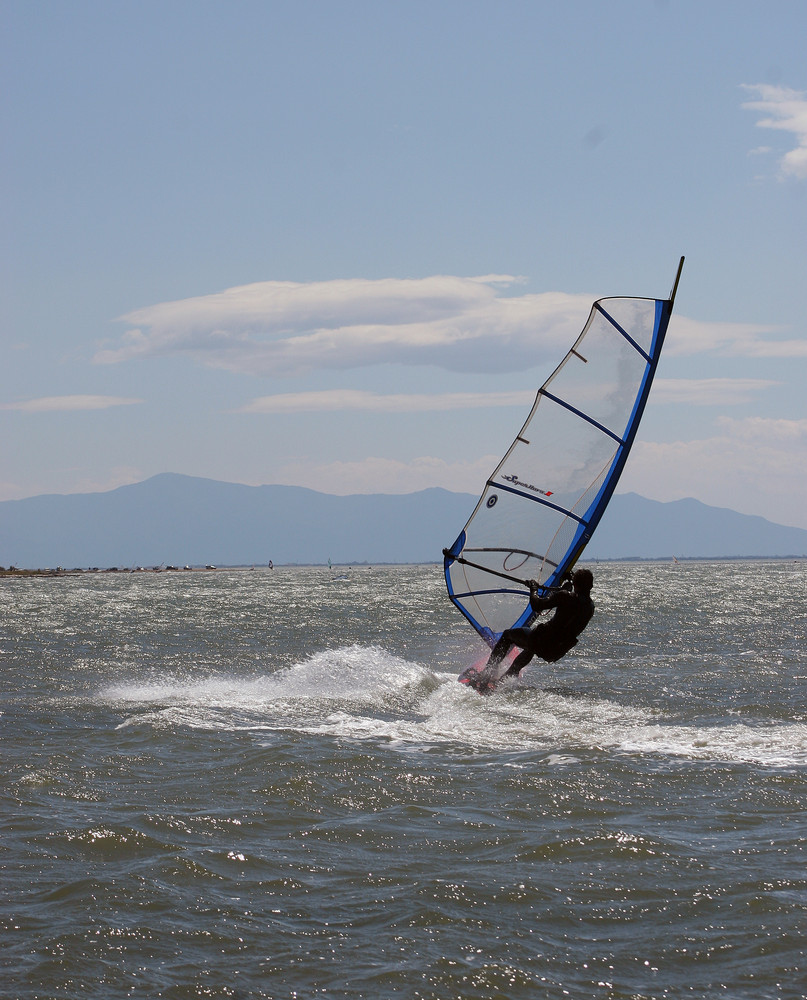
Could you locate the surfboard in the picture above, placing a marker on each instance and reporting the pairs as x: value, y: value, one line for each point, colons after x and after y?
x: 485, y: 680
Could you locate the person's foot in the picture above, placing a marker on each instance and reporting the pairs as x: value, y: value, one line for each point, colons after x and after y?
x: 481, y: 683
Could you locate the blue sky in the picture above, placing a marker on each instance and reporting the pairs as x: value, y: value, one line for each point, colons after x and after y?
x: 340, y: 244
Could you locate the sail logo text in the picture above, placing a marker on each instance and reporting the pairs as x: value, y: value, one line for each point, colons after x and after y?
x: 527, y: 486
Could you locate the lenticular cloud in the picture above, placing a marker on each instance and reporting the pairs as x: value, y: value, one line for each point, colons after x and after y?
x: 278, y: 328
x: 284, y: 329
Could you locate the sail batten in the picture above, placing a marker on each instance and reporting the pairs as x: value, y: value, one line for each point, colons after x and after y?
x: 533, y: 499
x: 624, y: 333
x: 544, y: 500
x: 583, y: 416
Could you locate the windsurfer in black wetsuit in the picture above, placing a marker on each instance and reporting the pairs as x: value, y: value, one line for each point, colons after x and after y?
x: 550, y: 641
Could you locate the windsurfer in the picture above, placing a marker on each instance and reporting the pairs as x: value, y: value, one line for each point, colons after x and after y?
x: 573, y: 611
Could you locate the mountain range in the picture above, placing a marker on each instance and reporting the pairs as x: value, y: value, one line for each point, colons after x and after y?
x: 183, y: 520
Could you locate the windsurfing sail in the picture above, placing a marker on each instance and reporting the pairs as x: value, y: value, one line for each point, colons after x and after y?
x: 545, y: 498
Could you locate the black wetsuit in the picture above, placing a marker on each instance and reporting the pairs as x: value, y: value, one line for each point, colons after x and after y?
x: 552, y: 640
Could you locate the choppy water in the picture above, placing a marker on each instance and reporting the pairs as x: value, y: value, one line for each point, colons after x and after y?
x: 269, y: 784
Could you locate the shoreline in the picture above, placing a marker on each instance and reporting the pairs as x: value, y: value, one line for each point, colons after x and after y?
x: 14, y: 572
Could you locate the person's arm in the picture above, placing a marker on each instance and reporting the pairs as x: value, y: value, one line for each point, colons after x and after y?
x: 538, y: 603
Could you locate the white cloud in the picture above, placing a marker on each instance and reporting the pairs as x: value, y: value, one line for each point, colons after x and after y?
x: 786, y: 110
x: 386, y: 475
x: 688, y: 337
x: 703, y: 392
x: 282, y: 329
x: 709, y: 391
x: 350, y: 399
x: 58, y: 404
x: 755, y: 465
x: 71, y: 480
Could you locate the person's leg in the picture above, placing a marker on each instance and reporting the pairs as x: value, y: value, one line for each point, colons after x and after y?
x: 501, y: 649
x: 519, y: 663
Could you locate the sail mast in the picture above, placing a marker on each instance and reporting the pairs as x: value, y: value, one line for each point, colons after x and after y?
x: 671, y: 299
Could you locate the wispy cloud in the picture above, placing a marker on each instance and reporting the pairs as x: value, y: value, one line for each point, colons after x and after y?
x: 786, y: 110
x: 703, y: 392
x: 55, y: 404
x: 285, y: 328
x: 350, y: 399
x: 759, y: 462
x: 73, y: 479
x: 279, y: 329
x: 275, y: 328
x: 387, y: 475
x: 741, y: 340
x: 709, y: 391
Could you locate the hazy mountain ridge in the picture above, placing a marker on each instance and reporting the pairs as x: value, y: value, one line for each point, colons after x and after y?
x: 182, y: 520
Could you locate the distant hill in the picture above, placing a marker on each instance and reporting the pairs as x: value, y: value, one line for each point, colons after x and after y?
x: 181, y: 520
x: 635, y: 527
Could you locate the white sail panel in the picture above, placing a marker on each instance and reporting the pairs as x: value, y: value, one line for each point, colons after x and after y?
x: 546, y: 496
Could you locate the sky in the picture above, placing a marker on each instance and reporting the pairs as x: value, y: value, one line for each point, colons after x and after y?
x: 339, y: 244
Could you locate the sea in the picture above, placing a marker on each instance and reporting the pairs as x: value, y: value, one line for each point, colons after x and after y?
x: 257, y: 783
